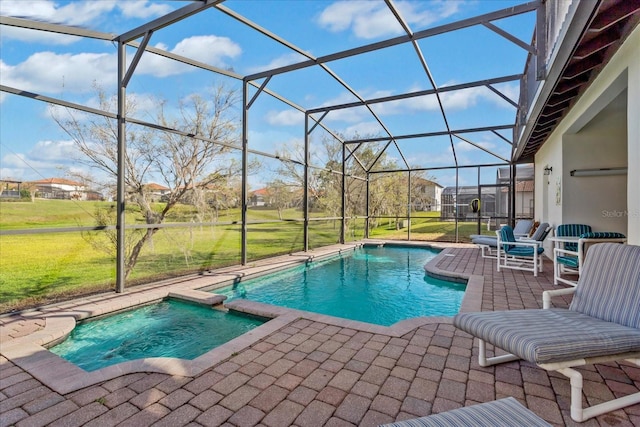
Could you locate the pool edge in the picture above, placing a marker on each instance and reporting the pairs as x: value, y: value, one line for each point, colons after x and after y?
x: 29, y: 352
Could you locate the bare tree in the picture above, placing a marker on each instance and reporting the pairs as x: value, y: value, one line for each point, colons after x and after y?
x: 196, y: 158
x: 283, y: 195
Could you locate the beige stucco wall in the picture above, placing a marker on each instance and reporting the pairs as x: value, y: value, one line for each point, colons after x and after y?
x: 600, y: 201
x: 604, y: 141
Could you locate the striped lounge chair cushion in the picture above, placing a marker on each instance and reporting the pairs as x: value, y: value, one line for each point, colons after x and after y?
x: 602, y: 235
x: 571, y: 261
x: 572, y: 230
x: 551, y: 335
x: 504, y: 412
x: 609, y: 284
x: 524, y: 251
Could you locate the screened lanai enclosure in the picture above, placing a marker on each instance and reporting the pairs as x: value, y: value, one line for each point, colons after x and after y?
x: 149, y: 140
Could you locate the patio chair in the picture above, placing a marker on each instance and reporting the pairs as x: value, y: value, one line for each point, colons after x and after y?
x: 518, y: 254
x: 602, y: 324
x: 570, y: 261
x: 489, y: 244
x: 523, y: 227
x: 539, y: 234
x: 572, y: 230
x: 502, y: 412
x: 565, y: 253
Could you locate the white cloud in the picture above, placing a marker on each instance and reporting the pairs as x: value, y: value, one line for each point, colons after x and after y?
x: 463, y: 146
x: 285, y: 118
x: 210, y: 49
x: 452, y: 101
x: 365, y: 18
x: 431, y: 158
x: 45, y: 159
x: 369, y: 20
x: 53, y: 151
x: 465, y: 98
x: 363, y: 128
x: 33, y: 36
x: 511, y: 90
x: 143, y: 9
x: 50, y: 72
x: 76, y: 13
x: 73, y: 13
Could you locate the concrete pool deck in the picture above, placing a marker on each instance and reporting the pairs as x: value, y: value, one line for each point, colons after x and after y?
x: 300, y: 368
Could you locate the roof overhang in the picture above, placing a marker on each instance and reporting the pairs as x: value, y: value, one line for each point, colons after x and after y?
x: 594, y: 33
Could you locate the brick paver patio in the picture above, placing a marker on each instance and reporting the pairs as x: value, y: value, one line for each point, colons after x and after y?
x: 308, y: 370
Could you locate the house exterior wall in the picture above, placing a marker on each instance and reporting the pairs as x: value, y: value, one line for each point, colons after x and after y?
x: 601, y: 200
x: 428, y: 198
x: 523, y: 204
x: 622, y: 72
x: 437, y: 198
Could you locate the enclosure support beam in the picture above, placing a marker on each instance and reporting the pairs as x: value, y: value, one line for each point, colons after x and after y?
x: 430, y: 32
x: 168, y: 19
x: 343, y: 205
x: 541, y: 41
x: 245, y: 145
x: 409, y: 206
x: 479, y: 224
x: 305, y: 194
x: 366, y: 223
x: 512, y: 194
x: 455, y: 204
x: 120, y: 190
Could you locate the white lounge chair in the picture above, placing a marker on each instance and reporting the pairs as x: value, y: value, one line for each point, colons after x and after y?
x: 489, y: 244
x: 518, y: 254
x: 602, y: 324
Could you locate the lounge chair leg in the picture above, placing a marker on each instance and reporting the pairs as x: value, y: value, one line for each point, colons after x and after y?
x: 485, y: 361
x: 578, y: 413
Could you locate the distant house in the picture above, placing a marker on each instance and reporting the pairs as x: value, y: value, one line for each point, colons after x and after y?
x: 61, y: 188
x: 259, y: 197
x: 427, y: 195
x: 156, y: 191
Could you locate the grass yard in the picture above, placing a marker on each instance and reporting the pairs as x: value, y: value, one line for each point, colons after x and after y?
x: 42, y: 268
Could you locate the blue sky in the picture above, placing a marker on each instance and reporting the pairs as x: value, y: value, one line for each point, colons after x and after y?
x: 66, y: 67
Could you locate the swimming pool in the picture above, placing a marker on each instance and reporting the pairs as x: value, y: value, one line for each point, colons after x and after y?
x: 374, y: 284
x: 166, y: 329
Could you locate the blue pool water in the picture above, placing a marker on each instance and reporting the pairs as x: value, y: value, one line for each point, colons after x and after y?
x: 166, y: 329
x: 380, y: 285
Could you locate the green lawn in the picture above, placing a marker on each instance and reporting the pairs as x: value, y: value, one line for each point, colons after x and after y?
x: 40, y: 268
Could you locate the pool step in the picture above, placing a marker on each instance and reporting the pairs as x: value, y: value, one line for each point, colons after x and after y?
x: 200, y: 297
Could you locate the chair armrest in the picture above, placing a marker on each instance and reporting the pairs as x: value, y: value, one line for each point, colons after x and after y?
x: 532, y: 243
x: 547, y: 295
x: 562, y: 251
x: 584, y: 240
